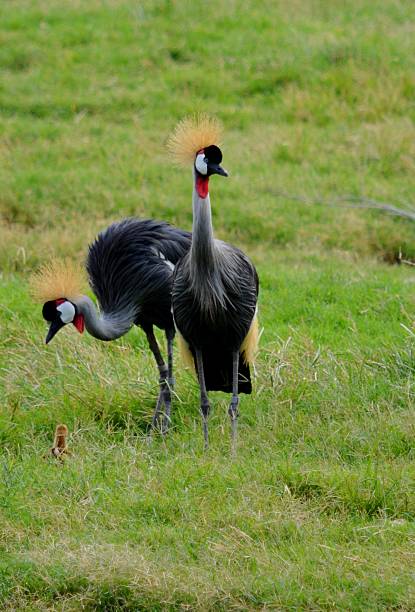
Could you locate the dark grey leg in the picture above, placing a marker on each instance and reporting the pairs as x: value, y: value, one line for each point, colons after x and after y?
x: 170, y: 380
x: 164, y: 395
x: 233, y: 408
x: 170, y: 333
x: 204, y: 400
x: 157, y: 411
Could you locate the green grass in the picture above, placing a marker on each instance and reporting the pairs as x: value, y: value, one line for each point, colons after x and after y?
x: 317, y: 510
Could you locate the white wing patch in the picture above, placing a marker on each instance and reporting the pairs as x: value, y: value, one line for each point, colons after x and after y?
x: 168, y: 262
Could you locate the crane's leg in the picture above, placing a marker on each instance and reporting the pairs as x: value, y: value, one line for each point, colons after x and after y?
x: 170, y: 333
x: 164, y: 395
x: 204, y: 400
x: 233, y: 408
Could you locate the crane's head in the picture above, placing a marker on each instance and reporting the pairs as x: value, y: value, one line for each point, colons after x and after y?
x: 194, y: 141
x: 55, y: 279
x: 207, y: 161
x: 59, y: 313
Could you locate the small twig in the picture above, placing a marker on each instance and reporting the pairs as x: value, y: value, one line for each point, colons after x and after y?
x: 360, y: 202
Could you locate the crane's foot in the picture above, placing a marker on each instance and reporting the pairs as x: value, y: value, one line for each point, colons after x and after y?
x: 164, y: 397
x: 155, y: 422
x: 165, y: 426
x: 234, y: 413
x: 205, y: 409
x: 167, y: 405
x: 205, y: 433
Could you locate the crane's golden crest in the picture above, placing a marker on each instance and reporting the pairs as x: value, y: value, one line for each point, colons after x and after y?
x: 191, y: 135
x: 57, y: 279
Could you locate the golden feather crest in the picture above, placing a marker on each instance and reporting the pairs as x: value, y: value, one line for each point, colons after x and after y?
x: 192, y: 134
x: 60, y: 278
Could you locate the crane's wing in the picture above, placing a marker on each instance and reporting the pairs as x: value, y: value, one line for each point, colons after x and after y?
x: 127, y: 262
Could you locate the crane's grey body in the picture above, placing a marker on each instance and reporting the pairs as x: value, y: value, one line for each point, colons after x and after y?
x: 213, y: 310
x: 214, y: 297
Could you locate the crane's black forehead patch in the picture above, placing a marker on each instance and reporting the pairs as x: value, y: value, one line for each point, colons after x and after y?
x: 214, y: 154
x: 49, y: 311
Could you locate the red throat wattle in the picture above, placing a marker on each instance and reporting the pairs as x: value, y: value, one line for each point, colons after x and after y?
x: 79, y: 323
x: 202, y: 186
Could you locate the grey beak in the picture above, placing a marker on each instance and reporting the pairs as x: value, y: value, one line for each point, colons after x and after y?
x: 217, y: 169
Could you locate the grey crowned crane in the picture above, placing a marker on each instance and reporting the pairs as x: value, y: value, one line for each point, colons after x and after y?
x: 130, y: 267
x: 215, y: 286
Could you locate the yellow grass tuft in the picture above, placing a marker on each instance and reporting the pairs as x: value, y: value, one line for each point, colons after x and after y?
x: 192, y: 134
x: 57, y: 279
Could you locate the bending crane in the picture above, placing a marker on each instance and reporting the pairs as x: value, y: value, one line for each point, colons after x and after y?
x: 130, y: 267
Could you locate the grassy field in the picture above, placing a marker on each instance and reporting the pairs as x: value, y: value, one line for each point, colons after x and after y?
x: 317, y: 510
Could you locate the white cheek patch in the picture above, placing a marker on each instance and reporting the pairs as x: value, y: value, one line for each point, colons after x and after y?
x: 200, y: 164
x: 67, y: 311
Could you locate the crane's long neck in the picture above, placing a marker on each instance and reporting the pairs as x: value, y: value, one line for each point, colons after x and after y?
x: 203, y: 250
x: 205, y: 256
x: 106, y: 326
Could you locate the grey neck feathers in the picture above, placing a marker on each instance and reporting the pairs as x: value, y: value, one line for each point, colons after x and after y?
x: 205, y: 262
x: 203, y: 250
x: 104, y: 326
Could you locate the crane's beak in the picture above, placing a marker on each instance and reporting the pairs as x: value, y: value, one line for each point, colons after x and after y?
x: 54, y: 327
x: 216, y: 169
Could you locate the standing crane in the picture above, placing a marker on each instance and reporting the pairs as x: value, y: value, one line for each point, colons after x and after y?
x: 215, y: 286
x: 130, y: 268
